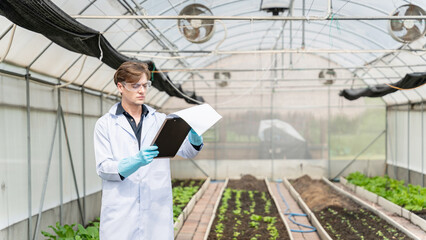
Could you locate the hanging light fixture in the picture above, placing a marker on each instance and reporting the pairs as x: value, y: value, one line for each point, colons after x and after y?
x: 274, y: 6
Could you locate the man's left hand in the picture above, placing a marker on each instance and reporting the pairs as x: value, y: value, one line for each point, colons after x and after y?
x: 194, y: 138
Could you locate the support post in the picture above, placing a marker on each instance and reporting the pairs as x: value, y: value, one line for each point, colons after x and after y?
x: 46, y: 177
x: 61, y: 188
x: 72, y: 165
x: 408, y: 143
x: 423, y: 148
x: 83, y: 130
x: 27, y: 93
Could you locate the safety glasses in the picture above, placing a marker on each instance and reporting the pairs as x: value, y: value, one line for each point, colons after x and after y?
x: 134, y: 87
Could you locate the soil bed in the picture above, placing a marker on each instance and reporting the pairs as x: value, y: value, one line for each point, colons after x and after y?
x: 341, y: 217
x: 247, y: 211
x: 187, y: 182
x: 421, y: 213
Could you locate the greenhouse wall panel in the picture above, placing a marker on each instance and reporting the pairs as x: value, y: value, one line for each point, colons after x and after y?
x: 14, y: 166
x: 391, y: 137
x: 401, y: 140
x: 13, y: 152
x: 405, y: 138
x: 40, y: 153
x: 415, y: 141
x: 12, y: 91
x: 43, y: 98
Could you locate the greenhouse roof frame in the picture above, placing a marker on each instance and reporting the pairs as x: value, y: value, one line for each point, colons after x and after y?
x: 127, y: 24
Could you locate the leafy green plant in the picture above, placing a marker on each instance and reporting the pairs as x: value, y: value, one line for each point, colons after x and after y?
x: 62, y: 232
x: 254, y: 224
x: 411, y: 197
x: 181, y: 196
x: 253, y: 203
x: 267, y: 202
x: 67, y: 232
x: 241, y: 210
x: 255, y: 217
x: 227, y: 194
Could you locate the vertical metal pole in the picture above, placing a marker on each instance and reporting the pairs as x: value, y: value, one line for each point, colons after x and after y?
x: 291, y: 35
x: 328, y: 134
x: 303, y: 26
x: 61, y: 197
x: 423, y: 150
x: 27, y: 92
x: 386, y: 141
x: 395, y: 170
x: 215, y: 137
x: 272, y: 116
x: 46, y: 177
x: 271, y: 135
x: 72, y: 166
x: 83, y: 130
x: 282, y: 55
x: 408, y: 143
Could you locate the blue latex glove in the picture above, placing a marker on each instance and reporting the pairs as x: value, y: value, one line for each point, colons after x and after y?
x: 194, y: 138
x: 129, y: 165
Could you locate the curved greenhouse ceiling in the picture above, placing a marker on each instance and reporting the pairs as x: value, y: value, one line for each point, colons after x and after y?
x: 352, y: 35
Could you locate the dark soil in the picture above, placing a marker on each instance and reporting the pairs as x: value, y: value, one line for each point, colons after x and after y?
x: 421, y: 213
x: 341, y: 217
x: 187, y: 182
x: 248, y: 182
x: 231, y: 220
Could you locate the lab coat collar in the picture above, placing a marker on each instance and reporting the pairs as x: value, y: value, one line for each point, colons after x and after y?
x: 120, y: 110
x: 121, y: 120
x: 148, y: 121
x: 113, y: 109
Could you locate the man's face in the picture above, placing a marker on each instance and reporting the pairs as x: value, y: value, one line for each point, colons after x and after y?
x: 134, y: 93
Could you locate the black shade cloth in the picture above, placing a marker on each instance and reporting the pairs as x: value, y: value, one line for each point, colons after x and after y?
x: 411, y: 80
x: 44, y: 17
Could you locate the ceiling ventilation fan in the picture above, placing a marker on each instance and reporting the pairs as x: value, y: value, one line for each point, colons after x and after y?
x: 407, y: 30
x: 222, y: 78
x: 327, y: 76
x: 196, y: 30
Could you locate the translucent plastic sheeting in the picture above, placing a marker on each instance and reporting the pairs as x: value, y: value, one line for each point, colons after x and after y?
x: 401, y: 139
x: 405, y: 138
x: 13, y: 167
x: 13, y: 150
x: 298, y: 98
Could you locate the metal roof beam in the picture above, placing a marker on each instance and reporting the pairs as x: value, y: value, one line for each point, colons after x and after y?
x: 253, y: 18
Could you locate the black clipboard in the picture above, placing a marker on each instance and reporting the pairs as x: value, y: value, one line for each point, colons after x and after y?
x: 171, y: 136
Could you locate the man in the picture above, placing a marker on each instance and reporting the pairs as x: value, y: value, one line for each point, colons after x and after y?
x: 136, y: 188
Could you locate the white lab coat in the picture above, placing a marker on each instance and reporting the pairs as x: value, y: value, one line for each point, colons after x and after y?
x: 140, y: 206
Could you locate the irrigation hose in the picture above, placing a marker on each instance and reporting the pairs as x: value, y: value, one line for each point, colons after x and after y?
x: 291, y: 215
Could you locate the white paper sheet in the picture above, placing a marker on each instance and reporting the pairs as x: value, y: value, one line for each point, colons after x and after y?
x: 200, y: 117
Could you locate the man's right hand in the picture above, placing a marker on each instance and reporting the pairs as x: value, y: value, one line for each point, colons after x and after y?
x: 129, y: 165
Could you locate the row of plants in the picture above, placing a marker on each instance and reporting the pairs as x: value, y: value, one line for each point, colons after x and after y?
x: 183, y: 190
x: 340, y: 216
x: 411, y: 197
x: 256, y: 220
x: 69, y: 232
x: 247, y: 214
x: 340, y: 223
x: 182, y: 194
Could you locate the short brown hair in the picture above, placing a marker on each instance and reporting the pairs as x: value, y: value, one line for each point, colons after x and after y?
x: 131, y: 72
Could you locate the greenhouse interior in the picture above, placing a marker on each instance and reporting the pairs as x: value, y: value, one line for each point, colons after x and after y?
x: 304, y: 119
